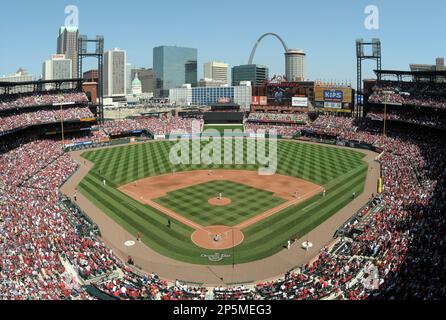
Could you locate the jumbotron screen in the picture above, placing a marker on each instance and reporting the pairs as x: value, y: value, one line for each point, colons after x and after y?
x: 281, y: 94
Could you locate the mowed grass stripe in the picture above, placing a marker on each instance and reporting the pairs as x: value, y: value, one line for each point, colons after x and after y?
x: 298, y: 158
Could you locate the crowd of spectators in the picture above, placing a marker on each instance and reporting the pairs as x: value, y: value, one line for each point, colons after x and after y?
x: 32, y: 227
x: 24, y: 100
x: 161, y: 125
x: 410, y: 93
x: 132, y: 286
x: 284, y: 130
x: 24, y: 119
x: 437, y: 120
x: 96, y: 136
x: 298, y: 118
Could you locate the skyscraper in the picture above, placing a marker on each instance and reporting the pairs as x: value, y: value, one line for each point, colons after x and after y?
x: 115, y: 73
x: 56, y: 68
x: 147, y: 80
x: 216, y: 72
x: 67, y: 45
x: 295, y: 65
x: 256, y: 74
x: 128, y: 71
x: 173, y: 67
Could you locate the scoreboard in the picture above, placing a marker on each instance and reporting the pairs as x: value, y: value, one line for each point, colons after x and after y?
x: 333, y: 98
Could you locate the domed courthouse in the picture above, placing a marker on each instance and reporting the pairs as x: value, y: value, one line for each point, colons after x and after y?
x: 136, y: 86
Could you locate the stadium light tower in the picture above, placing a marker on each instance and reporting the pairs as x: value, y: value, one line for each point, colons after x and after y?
x: 98, y: 54
x: 361, y: 55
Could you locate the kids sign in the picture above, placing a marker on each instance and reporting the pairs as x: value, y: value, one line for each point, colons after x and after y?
x: 333, y: 96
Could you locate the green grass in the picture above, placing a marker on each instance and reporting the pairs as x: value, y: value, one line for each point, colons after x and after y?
x: 192, y: 202
x: 340, y: 171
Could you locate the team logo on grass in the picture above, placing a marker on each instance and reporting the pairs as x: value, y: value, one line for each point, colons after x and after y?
x: 216, y: 257
x: 215, y: 148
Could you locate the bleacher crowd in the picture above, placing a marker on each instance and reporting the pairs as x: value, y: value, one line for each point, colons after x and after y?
x: 409, y: 93
x: 24, y: 100
x: 436, y: 120
x: 298, y: 118
x: 161, y: 125
x: 24, y: 119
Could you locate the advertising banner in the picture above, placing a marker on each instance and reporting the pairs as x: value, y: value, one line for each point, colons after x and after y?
x: 333, y: 94
x: 255, y: 100
x: 300, y: 102
x: 333, y: 105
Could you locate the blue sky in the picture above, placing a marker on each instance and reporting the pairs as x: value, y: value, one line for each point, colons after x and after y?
x: 411, y: 31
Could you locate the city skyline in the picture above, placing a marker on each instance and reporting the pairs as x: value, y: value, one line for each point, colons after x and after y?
x: 328, y: 41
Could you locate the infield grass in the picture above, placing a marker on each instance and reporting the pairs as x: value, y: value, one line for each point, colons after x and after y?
x: 192, y: 202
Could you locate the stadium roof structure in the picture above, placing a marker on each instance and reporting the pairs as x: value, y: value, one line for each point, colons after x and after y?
x: 4, y: 84
x: 38, y: 86
x: 416, y: 75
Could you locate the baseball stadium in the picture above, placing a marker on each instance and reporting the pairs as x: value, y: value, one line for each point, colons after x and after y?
x: 285, y: 189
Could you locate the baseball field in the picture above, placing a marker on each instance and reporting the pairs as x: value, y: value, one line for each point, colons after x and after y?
x: 179, y: 210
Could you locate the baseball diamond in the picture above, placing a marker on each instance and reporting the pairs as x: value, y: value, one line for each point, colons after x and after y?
x: 141, y: 203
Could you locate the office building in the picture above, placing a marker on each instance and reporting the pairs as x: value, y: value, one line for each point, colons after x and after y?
x: 91, y: 75
x: 438, y: 66
x: 295, y: 65
x: 115, y: 73
x: 67, y: 44
x: 173, y: 66
x: 58, y: 67
x: 211, y: 83
x: 128, y: 70
x: 201, y: 96
x: 147, y: 78
x: 20, y: 76
x: 256, y: 74
x: 216, y: 72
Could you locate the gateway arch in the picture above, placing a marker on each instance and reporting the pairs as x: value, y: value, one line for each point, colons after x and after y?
x: 294, y: 59
x: 285, y: 47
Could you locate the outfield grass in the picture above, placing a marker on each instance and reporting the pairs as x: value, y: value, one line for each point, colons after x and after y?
x: 340, y: 171
x: 192, y: 203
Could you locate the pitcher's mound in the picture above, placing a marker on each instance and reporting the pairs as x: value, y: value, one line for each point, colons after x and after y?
x: 217, y: 237
x: 220, y: 202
